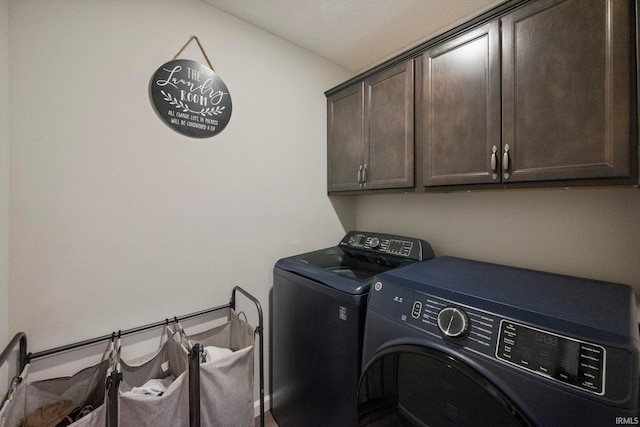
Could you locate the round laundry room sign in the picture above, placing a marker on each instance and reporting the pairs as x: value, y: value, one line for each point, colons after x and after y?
x: 191, y: 98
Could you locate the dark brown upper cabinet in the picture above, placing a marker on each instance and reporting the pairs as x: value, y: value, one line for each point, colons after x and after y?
x: 370, y: 132
x: 542, y: 94
x: 533, y: 93
x: 459, y: 109
x: 567, y: 70
x: 345, y: 143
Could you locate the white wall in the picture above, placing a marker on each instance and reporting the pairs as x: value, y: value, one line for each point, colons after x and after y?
x: 592, y: 233
x: 118, y: 221
x: 4, y: 182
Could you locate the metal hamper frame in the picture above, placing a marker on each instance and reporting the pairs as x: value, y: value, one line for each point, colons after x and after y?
x: 112, y: 382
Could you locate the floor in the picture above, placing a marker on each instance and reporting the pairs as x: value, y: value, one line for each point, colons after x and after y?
x: 268, y: 420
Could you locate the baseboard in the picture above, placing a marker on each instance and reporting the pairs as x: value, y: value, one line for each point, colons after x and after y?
x: 267, y: 405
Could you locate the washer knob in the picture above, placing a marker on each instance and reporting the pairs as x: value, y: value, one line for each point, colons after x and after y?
x: 375, y: 243
x: 453, y: 322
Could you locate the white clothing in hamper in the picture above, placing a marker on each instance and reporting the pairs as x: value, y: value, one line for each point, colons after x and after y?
x: 153, y: 387
x: 211, y: 353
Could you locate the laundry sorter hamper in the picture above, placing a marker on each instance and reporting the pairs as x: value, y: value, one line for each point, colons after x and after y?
x: 203, y: 390
x: 226, y: 373
x: 79, y: 400
x: 170, y: 408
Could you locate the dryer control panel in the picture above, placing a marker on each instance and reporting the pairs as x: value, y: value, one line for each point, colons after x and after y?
x: 565, y: 359
x: 556, y: 357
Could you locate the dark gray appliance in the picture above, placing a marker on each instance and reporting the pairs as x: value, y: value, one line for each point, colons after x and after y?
x: 318, y: 311
x: 465, y: 343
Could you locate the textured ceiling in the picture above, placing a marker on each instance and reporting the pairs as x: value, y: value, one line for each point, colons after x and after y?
x: 354, y: 33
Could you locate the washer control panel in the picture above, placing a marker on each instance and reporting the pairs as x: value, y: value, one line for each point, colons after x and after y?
x: 556, y: 357
x: 405, y: 247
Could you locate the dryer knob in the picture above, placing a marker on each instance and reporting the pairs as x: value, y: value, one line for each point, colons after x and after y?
x: 453, y: 322
x: 375, y: 243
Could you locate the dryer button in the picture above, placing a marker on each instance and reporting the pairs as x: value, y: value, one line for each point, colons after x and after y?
x: 453, y: 322
x: 416, y: 310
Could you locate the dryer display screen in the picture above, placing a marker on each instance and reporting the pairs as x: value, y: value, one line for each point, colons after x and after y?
x: 564, y: 359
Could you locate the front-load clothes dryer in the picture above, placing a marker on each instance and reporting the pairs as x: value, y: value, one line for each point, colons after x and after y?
x: 318, y: 311
x: 455, y: 342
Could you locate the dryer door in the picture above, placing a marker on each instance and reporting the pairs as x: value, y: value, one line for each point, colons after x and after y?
x: 419, y: 386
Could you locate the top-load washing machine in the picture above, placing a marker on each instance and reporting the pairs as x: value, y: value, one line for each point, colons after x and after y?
x: 455, y: 342
x: 318, y: 310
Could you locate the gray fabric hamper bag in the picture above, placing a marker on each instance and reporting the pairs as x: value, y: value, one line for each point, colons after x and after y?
x: 171, y: 409
x: 86, y: 387
x: 226, y: 384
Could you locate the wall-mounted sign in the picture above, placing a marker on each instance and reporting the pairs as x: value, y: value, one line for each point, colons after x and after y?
x: 191, y: 98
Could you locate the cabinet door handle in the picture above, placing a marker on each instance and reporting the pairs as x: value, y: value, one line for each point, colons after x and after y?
x: 505, y: 162
x: 364, y: 175
x: 494, y: 159
x: 360, y: 176
x: 494, y: 162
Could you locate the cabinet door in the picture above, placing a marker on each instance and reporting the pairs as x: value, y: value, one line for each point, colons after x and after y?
x: 460, y: 109
x: 345, y: 139
x: 567, y: 90
x: 389, y: 141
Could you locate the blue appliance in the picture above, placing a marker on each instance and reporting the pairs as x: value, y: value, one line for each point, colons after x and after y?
x: 318, y: 309
x: 455, y: 342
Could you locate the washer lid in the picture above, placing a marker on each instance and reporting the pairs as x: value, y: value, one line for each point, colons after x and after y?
x: 360, y: 255
x: 336, y: 268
